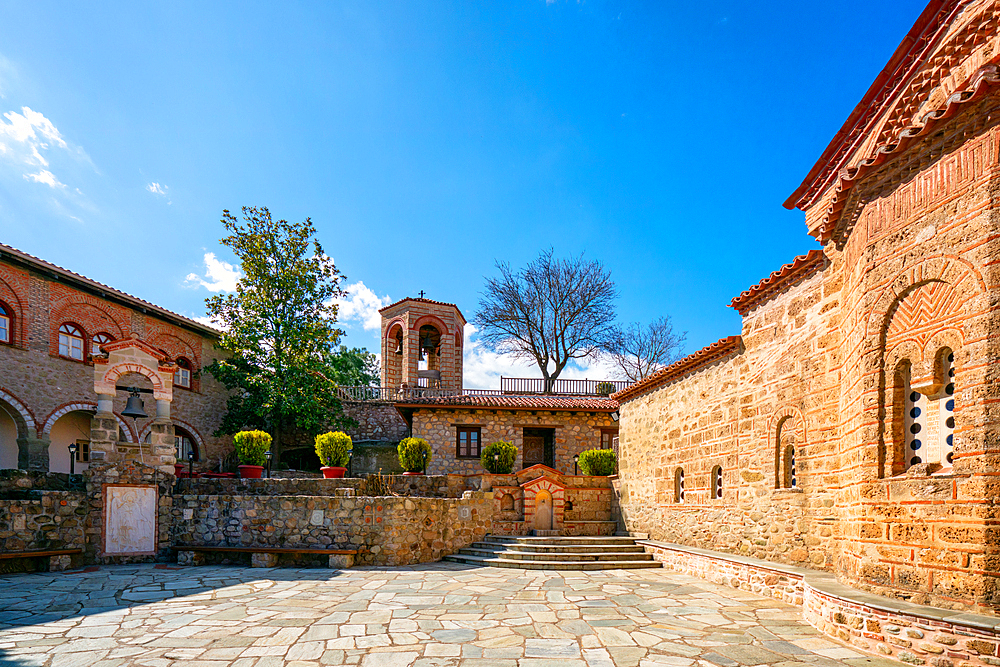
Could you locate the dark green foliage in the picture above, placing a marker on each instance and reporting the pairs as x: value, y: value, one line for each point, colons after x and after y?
x: 506, y: 454
x: 279, y: 330
x: 414, y: 454
x: 599, y: 462
x: 605, y: 388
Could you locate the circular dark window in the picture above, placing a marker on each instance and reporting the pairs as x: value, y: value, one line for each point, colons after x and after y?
x: 914, y: 428
x: 950, y: 389
x: 914, y: 396
x: 950, y: 422
x: 915, y: 412
x: 915, y: 460
x: 915, y: 445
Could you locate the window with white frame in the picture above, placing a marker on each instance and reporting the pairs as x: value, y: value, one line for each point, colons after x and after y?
x: 71, y: 342
x: 6, y: 324
x: 182, y: 377
x: 98, y: 340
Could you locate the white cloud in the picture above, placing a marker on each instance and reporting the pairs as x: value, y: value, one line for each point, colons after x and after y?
x: 219, y: 276
x: 26, y: 142
x: 361, y: 304
x: 157, y: 189
x: 208, y: 322
x: 47, y: 177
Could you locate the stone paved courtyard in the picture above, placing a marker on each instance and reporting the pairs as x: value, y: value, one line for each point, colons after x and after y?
x: 430, y: 616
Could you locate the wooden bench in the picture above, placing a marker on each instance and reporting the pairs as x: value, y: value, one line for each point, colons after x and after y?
x: 189, y: 554
x: 59, y: 559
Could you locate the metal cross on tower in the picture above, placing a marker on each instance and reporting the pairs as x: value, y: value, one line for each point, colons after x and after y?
x: 421, y: 294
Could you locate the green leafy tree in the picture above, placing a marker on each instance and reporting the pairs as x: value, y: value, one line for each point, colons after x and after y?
x: 279, y: 328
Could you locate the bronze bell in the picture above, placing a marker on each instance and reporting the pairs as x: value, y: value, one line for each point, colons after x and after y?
x: 133, y: 408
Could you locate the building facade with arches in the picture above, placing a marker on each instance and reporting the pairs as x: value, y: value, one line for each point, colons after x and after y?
x: 852, y: 426
x: 57, y: 329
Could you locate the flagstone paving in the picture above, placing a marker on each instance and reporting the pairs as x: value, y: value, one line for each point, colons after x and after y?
x: 441, y: 615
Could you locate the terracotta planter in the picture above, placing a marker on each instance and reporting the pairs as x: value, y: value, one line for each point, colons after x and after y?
x: 333, y: 472
x: 413, y: 473
x: 251, y: 472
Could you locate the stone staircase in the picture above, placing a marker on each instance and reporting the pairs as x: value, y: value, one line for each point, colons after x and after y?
x: 556, y: 553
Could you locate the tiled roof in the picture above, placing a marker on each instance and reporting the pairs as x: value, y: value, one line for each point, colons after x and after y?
x: 799, y: 268
x: 510, y: 402
x: 436, y: 303
x: 921, y: 39
x: 19, y: 256
x: 706, y: 355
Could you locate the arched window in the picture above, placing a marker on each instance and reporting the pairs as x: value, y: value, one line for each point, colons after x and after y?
x: 185, y: 444
x: 914, y: 427
x: 6, y: 324
x: 98, y: 340
x: 182, y: 377
x: 679, y: 485
x: 717, y: 482
x: 71, y: 342
x: 784, y: 455
x: 947, y: 408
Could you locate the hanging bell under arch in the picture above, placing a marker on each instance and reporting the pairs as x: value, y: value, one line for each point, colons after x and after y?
x: 133, y: 408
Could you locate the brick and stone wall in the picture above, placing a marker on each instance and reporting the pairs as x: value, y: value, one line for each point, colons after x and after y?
x: 38, y: 386
x: 574, y: 433
x: 826, y: 361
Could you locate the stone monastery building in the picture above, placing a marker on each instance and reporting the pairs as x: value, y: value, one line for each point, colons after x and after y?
x: 853, y: 423
x: 56, y: 330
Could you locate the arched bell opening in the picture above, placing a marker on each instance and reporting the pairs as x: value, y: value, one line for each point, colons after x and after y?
x: 429, y: 356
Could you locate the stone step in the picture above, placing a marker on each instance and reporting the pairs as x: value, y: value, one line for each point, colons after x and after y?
x: 562, y: 557
x: 552, y: 565
x: 559, y: 541
x: 560, y: 548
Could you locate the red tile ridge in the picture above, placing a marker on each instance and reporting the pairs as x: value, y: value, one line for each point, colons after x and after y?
x: 419, y: 300
x: 703, y: 357
x: 133, y: 301
x: 921, y: 39
x: 799, y: 268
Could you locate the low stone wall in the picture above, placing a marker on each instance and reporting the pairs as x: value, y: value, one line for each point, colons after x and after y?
x: 423, y: 486
x: 13, y: 482
x: 387, y: 531
x: 913, y: 633
x: 48, y: 520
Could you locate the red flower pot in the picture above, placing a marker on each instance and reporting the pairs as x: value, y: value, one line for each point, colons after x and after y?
x: 251, y: 472
x: 333, y: 472
x: 179, y: 469
x: 413, y: 473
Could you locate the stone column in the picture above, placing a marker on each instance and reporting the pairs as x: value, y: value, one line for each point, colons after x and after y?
x: 33, y: 453
x: 162, y: 449
x: 103, y: 431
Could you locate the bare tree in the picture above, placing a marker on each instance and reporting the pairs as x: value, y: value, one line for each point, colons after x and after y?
x: 551, y: 311
x: 642, y: 350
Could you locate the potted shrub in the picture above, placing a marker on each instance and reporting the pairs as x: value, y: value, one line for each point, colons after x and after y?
x: 605, y: 388
x: 414, y: 453
x: 499, y: 457
x: 598, y: 462
x: 251, y: 447
x: 333, y: 450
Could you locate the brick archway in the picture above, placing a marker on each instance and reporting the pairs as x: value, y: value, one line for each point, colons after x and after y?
x: 19, y: 412
x: 61, y: 411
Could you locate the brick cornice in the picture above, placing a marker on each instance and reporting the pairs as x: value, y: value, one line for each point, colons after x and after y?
x: 799, y: 268
x: 703, y: 357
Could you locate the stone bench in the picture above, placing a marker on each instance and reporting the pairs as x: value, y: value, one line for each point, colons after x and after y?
x: 59, y: 559
x: 263, y: 556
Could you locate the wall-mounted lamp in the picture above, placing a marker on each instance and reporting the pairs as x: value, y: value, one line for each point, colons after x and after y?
x: 268, y: 454
x: 72, y: 458
x: 615, y: 416
x: 576, y: 461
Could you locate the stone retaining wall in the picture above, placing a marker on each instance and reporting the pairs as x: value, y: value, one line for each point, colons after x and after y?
x: 913, y: 633
x: 48, y: 520
x: 424, y: 486
x: 387, y: 531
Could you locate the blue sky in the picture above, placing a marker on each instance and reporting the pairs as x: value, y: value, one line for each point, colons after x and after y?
x: 427, y: 139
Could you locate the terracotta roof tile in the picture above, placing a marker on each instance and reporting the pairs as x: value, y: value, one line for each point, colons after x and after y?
x: 509, y: 402
x: 436, y: 303
x: 135, y: 302
x: 801, y: 267
x: 706, y: 355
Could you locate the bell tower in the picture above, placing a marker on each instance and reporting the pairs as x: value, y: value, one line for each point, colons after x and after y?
x: 422, y: 344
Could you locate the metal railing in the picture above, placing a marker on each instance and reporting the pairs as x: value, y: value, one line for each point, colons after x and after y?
x: 561, y: 387
x: 391, y: 394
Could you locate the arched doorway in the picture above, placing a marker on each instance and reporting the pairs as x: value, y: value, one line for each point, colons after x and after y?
x: 71, y: 428
x: 8, y: 440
